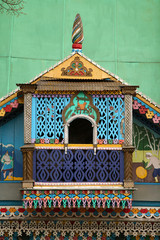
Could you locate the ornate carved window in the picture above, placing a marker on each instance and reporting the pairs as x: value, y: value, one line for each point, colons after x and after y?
x: 50, y: 113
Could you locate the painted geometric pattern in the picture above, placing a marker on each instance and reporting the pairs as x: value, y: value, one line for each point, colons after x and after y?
x: 146, y: 110
x: 78, y: 166
x: 133, y: 213
x: 49, y: 124
x: 79, y: 198
x: 111, y: 125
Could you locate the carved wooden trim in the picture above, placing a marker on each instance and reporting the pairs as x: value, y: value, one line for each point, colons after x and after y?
x: 129, y: 90
x: 76, y: 68
x: 27, y: 88
x: 128, y: 120
x: 27, y: 117
x: 72, y: 104
x: 27, y: 151
x: 128, y: 168
x: 24, y: 165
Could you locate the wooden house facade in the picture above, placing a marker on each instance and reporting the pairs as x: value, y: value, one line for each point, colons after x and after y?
x: 79, y: 155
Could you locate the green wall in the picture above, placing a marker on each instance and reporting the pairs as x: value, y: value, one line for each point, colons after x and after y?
x: 123, y: 36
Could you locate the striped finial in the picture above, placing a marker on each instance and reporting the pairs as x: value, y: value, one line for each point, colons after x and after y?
x: 77, y: 34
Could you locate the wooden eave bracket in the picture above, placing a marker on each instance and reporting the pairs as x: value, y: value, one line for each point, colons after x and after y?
x: 129, y: 90
x: 27, y: 88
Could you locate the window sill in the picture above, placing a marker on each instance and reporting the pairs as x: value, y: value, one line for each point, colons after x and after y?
x: 79, y: 146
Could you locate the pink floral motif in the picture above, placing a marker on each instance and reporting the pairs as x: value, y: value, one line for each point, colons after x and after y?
x: 14, y: 104
x: 115, y: 141
x: 156, y: 119
x: 46, y: 140
x: 136, y: 105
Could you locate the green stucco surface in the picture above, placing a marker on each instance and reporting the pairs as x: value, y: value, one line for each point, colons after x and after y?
x: 122, y: 36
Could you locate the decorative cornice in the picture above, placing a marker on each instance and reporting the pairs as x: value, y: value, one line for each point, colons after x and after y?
x: 128, y: 148
x: 129, y: 90
x: 28, y: 148
x: 77, y: 198
x: 27, y: 88
x: 136, y: 213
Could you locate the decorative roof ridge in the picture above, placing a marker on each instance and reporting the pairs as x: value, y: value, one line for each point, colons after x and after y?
x: 103, y: 69
x: 147, y: 99
x: 94, y: 63
x: 53, y: 66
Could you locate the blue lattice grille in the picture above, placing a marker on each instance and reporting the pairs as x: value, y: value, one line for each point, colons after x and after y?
x: 41, y: 118
x: 78, y: 166
x: 111, y: 124
x: 47, y: 117
x: 49, y: 124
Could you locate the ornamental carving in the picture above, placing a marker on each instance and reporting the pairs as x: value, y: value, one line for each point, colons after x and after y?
x: 76, y: 68
x: 81, y: 103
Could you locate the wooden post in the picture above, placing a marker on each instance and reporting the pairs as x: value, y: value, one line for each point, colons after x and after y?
x: 128, y: 169
x: 128, y: 149
x: 28, y: 90
x: 27, y: 151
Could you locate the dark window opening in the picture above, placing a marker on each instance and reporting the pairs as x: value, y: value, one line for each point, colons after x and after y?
x: 81, y: 131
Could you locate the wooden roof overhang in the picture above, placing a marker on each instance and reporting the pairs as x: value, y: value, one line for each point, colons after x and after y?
x: 78, y: 85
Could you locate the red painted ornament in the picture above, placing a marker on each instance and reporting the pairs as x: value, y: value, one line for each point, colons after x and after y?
x: 77, y: 46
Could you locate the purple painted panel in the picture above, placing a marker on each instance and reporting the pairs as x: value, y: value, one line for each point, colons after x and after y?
x: 78, y: 166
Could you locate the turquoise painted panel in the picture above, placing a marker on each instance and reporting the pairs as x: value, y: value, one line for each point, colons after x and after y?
x: 11, y: 139
x: 47, y: 123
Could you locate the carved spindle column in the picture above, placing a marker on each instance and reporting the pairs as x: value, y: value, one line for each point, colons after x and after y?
x: 27, y: 117
x: 27, y: 151
x: 28, y: 90
x: 128, y: 120
x: 128, y: 149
